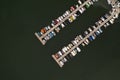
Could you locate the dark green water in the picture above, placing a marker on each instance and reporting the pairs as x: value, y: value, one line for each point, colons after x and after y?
x: 23, y: 57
